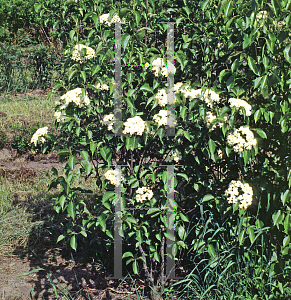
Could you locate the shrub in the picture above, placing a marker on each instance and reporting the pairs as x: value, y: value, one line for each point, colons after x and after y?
x: 225, y: 52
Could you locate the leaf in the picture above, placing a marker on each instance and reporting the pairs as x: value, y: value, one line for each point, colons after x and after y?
x: 287, y: 53
x: 253, y: 66
x: 212, y: 146
x: 71, y: 162
x: 146, y: 87
x: 73, y: 242
x: 135, y: 267
x: 251, y: 234
x: 278, y: 217
x: 183, y: 175
x: 204, y: 4
x: 285, y: 197
x: 124, y: 40
x: 211, y: 250
x: 187, y: 135
x: 257, y: 115
x: 228, y: 9
x: 107, y: 196
x: 181, y: 232
x: 261, y: 133
x: 183, y: 217
x: 241, y: 237
x: 72, y: 210
x: 61, y: 237
x: 207, y: 197
x: 127, y: 254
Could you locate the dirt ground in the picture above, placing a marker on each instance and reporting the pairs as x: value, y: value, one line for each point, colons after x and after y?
x: 82, y: 280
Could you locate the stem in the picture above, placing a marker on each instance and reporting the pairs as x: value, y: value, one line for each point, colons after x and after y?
x: 145, y: 267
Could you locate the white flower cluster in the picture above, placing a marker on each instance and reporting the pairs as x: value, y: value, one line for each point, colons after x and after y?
x: 111, y: 175
x: 134, y: 125
x: 220, y: 153
x: 173, y: 155
x: 238, y: 103
x: 161, y: 118
x: 210, y: 97
x: 74, y: 96
x: 263, y: 14
x: 59, y: 116
x: 234, y: 195
x: 240, y: 143
x: 210, y: 117
x: 108, y: 120
x: 144, y: 193
x: 38, y: 135
x: 158, y: 65
x: 103, y: 87
x: 163, y: 97
x: 76, y: 54
x: 105, y: 19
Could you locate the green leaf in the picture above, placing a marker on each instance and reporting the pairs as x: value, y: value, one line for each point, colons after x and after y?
x: 181, y: 232
x: 253, y: 66
x: 204, y: 4
x: 183, y: 175
x: 278, y: 217
x: 241, y: 237
x: 287, y: 223
x: 251, y: 234
x: 146, y: 87
x: 207, y: 197
x: 87, y: 166
x: 212, y: 146
x: 72, y: 210
x: 84, y: 154
x: 61, y: 237
x: 228, y: 9
x: 127, y: 254
x: 135, y: 267
x: 124, y: 40
x: 261, y: 133
x: 107, y: 196
x: 257, y: 115
x: 73, y: 242
x: 183, y: 217
x: 287, y: 53
x: 211, y: 250
x: 187, y: 135
x: 71, y: 162
x: 285, y: 197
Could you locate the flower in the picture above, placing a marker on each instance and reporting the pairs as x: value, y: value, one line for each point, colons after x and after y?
x: 39, y: 134
x: 102, y: 87
x: 74, y: 96
x: 238, y: 103
x: 173, y: 155
x: 77, y: 53
x: 162, y: 118
x: 220, y: 153
x: 105, y: 19
x: 58, y: 115
x: 210, y: 97
x: 263, y: 14
x: 234, y: 195
x: 163, y: 97
x: 144, y: 193
x: 134, y: 125
x: 112, y: 176
x: 159, y: 65
x: 109, y: 120
x: 210, y: 117
x: 240, y: 143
